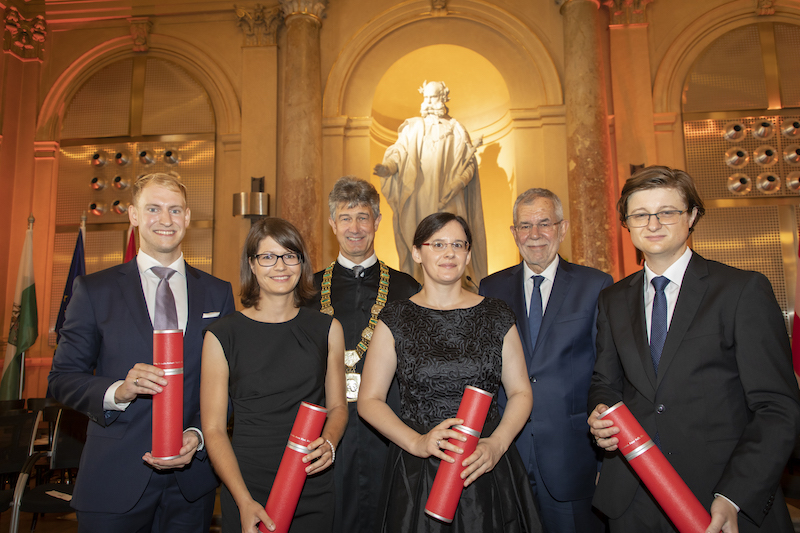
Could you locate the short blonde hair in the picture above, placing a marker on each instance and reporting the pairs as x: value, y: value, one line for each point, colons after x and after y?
x: 171, y: 181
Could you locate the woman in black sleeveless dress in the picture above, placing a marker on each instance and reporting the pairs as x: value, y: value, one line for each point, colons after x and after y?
x: 438, y: 342
x: 267, y: 359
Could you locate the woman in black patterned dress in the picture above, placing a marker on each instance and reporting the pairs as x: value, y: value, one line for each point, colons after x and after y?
x: 437, y: 342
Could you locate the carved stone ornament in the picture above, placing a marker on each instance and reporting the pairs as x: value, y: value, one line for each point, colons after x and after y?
x: 627, y: 11
x: 439, y: 8
x: 765, y: 7
x: 313, y: 8
x: 24, y: 37
x: 259, y: 26
x: 140, y: 31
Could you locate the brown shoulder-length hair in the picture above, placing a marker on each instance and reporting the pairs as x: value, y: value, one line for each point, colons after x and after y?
x: 285, y: 234
x: 658, y: 177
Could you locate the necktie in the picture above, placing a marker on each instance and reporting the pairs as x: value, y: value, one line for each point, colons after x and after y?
x: 357, y: 270
x: 535, y: 311
x: 166, y: 315
x: 658, y: 320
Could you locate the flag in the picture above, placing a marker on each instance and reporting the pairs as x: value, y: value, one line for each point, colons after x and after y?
x: 76, y: 268
x: 130, y: 250
x: 24, y: 323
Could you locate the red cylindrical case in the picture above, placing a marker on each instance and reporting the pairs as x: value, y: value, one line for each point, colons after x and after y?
x: 658, y: 475
x: 448, y: 485
x: 291, y: 475
x: 168, y: 404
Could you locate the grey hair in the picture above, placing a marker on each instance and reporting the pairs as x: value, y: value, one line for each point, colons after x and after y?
x: 531, y: 195
x: 353, y: 192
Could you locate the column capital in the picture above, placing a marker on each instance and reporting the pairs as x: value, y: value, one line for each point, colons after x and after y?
x: 259, y: 26
x: 626, y: 11
x: 24, y: 37
x: 314, y: 9
x: 140, y: 32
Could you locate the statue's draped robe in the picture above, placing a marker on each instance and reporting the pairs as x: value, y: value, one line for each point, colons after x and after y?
x: 427, y: 164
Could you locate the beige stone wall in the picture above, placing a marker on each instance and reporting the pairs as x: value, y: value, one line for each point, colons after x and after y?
x: 368, y: 87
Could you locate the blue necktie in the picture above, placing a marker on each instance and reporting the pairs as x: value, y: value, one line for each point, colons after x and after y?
x: 658, y: 321
x: 535, y: 311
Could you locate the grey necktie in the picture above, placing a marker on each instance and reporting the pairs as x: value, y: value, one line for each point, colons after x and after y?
x: 357, y: 271
x: 166, y: 314
x: 658, y: 320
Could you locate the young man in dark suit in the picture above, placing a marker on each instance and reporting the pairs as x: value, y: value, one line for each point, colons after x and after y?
x: 103, y: 367
x: 698, y: 351
x: 557, y: 335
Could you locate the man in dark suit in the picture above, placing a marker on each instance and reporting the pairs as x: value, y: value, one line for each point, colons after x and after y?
x: 354, y: 289
x: 103, y: 367
x: 698, y: 352
x: 556, y: 307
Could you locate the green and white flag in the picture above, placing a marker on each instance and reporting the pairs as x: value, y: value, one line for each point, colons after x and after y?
x: 24, y: 323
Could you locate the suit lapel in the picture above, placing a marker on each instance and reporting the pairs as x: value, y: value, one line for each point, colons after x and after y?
x: 693, y: 288
x: 133, y: 295
x: 561, y: 287
x: 196, y: 295
x: 642, y: 372
x: 516, y: 296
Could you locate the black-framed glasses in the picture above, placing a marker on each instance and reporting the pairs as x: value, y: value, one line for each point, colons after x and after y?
x: 665, y: 218
x: 542, y: 226
x: 269, y: 259
x: 441, y: 246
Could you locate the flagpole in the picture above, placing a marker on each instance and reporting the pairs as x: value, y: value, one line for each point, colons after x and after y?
x: 31, y: 220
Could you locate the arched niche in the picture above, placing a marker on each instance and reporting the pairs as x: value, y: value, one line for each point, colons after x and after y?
x: 362, y: 107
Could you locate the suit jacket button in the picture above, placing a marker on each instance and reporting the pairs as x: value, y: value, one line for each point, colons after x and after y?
x: 533, y: 379
x: 660, y: 408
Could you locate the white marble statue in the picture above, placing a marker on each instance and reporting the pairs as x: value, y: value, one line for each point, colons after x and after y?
x: 431, y: 168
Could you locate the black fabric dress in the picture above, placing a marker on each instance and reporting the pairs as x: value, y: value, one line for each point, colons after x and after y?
x: 274, y: 367
x: 439, y: 353
x: 361, y: 454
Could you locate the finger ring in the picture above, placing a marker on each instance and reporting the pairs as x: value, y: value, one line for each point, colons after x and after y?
x: 438, y: 443
x: 136, y: 382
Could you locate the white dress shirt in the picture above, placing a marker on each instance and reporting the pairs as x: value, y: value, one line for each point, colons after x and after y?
x: 546, y: 287
x: 674, y: 274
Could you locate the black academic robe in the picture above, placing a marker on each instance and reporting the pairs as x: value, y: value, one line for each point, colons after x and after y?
x: 361, y: 454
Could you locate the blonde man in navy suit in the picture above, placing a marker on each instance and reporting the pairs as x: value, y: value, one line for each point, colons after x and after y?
x: 103, y: 367
x: 560, y: 354
x: 698, y: 351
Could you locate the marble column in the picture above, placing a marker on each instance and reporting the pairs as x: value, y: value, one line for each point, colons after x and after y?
x: 300, y: 194
x: 634, y: 129
x: 592, y: 191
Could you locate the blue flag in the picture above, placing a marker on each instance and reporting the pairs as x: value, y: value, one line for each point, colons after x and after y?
x: 76, y: 268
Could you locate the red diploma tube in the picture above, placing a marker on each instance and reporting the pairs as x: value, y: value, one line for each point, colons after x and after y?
x: 291, y: 475
x: 448, y: 485
x: 168, y: 404
x: 660, y: 478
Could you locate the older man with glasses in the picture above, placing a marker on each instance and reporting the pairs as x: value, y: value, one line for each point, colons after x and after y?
x: 556, y: 306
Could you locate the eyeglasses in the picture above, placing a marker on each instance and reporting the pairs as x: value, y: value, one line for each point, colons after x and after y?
x: 544, y: 227
x: 665, y: 218
x: 270, y: 259
x: 441, y: 246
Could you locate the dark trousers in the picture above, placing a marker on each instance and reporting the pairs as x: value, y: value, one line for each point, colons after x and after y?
x: 161, y: 509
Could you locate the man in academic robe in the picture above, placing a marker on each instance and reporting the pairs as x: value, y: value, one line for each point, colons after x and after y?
x: 354, y: 289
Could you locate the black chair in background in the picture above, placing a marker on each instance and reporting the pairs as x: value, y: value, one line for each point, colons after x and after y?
x: 10, y: 406
x: 68, y: 440
x: 17, y: 431
x: 49, y: 408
